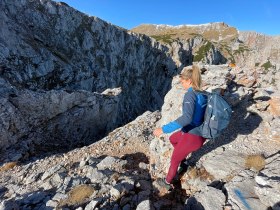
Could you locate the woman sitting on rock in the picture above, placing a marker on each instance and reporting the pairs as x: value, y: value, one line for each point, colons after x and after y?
x: 183, y: 141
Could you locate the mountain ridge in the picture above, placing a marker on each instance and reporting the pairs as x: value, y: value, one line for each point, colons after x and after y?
x: 234, y: 45
x: 208, y: 30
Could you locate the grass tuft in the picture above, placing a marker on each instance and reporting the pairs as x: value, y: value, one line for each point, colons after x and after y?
x: 77, y: 195
x: 267, y: 65
x: 202, y: 51
x: 255, y: 161
x: 201, y: 173
x: 7, y: 166
x: 166, y: 38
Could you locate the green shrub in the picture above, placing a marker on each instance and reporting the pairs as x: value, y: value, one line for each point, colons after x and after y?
x: 202, y: 51
x: 241, y: 50
x: 163, y: 38
x: 267, y: 65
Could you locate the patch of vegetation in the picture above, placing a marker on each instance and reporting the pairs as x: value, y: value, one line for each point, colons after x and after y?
x: 255, y: 161
x: 77, y: 195
x: 227, y: 51
x: 232, y: 60
x: 196, y: 35
x: 163, y: 38
x: 7, y: 166
x: 267, y: 65
x: 202, y: 51
x: 201, y: 173
x: 241, y: 50
x: 257, y: 64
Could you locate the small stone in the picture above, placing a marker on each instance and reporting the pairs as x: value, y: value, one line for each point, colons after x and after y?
x: 59, y: 196
x: 57, y: 179
x: 51, y: 171
x: 83, y: 163
x: 228, y: 207
x: 92, y: 205
x: 115, y: 192
x: 47, y: 185
x: 32, y: 178
x: 145, y: 205
x: 143, y: 165
x: 94, y: 175
x: 51, y: 203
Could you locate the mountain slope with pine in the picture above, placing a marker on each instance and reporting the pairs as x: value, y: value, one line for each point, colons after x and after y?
x: 242, y: 48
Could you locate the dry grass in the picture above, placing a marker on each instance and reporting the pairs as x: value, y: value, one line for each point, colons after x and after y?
x: 255, y: 161
x: 204, y: 175
x: 7, y: 166
x: 193, y: 173
x: 227, y: 33
x: 201, y: 173
x: 77, y: 195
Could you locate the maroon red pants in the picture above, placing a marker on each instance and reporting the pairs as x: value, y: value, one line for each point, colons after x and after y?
x: 184, y: 144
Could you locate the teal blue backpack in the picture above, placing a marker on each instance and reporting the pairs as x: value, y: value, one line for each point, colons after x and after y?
x: 216, y: 118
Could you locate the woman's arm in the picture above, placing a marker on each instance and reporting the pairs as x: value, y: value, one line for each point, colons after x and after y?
x: 170, y: 127
x: 184, y: 120
x: 188, y: 109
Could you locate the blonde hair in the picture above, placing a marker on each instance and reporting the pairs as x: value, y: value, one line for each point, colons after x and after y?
x: 194, y: 74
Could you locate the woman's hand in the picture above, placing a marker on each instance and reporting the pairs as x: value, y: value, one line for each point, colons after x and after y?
x: 157, y: 132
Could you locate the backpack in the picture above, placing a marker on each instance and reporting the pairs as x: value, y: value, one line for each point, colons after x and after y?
x: 216, y: 118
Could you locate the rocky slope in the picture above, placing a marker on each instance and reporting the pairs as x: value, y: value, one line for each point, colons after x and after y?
x: 63, y: 73
x: 263, y: 49
x: 69, y: 80
x: 120, y: 170
x: 235, y: 165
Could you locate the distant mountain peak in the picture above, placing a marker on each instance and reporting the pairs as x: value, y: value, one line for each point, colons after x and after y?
x: 216, y: 31
x: 188, y: 25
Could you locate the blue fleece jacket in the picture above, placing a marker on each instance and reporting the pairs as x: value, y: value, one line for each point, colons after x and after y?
x: 194, y: 105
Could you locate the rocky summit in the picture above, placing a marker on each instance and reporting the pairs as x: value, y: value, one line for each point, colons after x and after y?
x: 217, y: 43
x: 80, y: 98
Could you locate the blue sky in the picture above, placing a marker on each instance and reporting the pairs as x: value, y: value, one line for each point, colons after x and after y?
x: 246, y: 15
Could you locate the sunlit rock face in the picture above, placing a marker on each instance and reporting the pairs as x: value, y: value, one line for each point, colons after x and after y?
x: 56, y: 61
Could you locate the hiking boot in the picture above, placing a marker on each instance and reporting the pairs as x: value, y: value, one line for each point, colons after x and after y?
x: 164, y: 184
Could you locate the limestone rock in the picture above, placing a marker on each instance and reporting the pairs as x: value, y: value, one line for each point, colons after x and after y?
x: 268, y: 182
x: 145, y: 205
x: 225, y: 165
x: 241, y: 192
x: 209, y: 198
x: 111, y: 163
x: 54, y: 65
